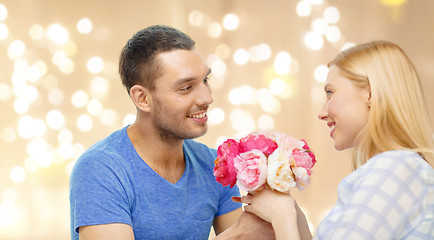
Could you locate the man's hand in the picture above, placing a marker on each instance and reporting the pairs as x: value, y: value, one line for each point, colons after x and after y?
x: 248, y: 226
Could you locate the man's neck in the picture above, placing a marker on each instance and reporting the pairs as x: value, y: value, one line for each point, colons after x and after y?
x: 166, y: 158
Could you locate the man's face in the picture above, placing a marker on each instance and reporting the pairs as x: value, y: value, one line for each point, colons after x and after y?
x: 181, y: 96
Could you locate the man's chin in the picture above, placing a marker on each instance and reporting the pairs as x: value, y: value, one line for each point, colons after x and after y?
x: 198, y: 134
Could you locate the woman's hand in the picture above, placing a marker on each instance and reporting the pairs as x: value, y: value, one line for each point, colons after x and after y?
x: 280, y: 209
x: 269, y: 204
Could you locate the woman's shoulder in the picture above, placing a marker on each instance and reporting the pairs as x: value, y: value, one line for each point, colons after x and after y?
x: 395, y: 164
x: 394, y: 158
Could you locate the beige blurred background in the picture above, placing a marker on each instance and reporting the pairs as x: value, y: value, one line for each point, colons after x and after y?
x: 60, y: 91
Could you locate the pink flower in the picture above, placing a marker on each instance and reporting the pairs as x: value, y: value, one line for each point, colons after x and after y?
x: 278, y: 159
x: 303, y: 159
x: 224, y: 169
x: 258, y: 142
x: 251, y: 169
x: 283, y: 141
x: 307, y: 149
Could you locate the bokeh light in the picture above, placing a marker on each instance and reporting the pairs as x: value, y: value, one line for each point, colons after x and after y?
x: 261, y: 52
x: 315, y: 2
x: 223, y: 51
x: 109, y: 117
x: 241, y: 56
x: 79, y: 99
x: 214, y: 30
x: 313, y: 40
x: 331, y: 15
x: 95, y: 64
x: 4, y: 31
x: 84, y: 123
x: 94, y: 107
x: 3, y: 12
x: 282, y: 63
x: 303, y: 9
x: 393, y: 2
x: 267, y: 101
x: 280, y: 88
x: 266, y: 122
x: 128, y: 119
x: 84, y: 26
x: 196, y: 18
x: 319, y: 26
x: 216, y: 116
x: 36, y: 32
x: 5, y: 91
x: 16, y: 49
x: 99, y: 87
x: 55, y: 96
x: 218, y: 68
x: 65, y: 136
x: 320, y: 73
x: 242, y: 121
x: 55, y: 119
x: 58, y: 34
x: 242, y: 95
x: 231, y: 21
x: 17, y: 174
x: 333, y: 34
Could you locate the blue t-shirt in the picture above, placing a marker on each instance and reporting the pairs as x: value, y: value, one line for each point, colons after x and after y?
x: 110, y: 183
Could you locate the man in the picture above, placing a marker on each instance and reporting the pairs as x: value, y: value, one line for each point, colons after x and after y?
x: 149, y: 180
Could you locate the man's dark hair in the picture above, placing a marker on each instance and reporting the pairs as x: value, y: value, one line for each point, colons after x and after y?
x: 138, y: 64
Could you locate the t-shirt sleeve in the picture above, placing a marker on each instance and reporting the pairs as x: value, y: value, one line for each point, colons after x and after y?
x: 383, y: 200
x: 226, y: 204
x: 99, y: 191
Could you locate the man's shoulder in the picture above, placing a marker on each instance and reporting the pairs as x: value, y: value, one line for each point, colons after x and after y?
x: 104, y: 150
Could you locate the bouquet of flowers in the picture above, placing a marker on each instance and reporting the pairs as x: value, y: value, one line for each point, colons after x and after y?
x: 264, y: 157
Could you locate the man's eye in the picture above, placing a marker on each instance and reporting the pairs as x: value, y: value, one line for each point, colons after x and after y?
x: 206, y: 80
x: 186, y: 88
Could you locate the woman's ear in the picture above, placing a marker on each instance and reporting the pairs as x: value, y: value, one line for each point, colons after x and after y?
x: 141, y: 98
x: 369, y: 100
x: 368, y: 96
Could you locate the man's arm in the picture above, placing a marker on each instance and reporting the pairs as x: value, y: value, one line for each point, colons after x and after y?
x: 113, y: 231
x: 248, y: 227
x: 224, y: 221
x: 303, y: 227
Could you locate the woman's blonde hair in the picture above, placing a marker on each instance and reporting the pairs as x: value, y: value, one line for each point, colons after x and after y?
x: 398, y: 117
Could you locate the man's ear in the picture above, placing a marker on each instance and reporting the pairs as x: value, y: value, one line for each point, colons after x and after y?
x: 141, y: 98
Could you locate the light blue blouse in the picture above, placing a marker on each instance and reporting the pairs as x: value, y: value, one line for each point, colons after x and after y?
x: 389, y: 197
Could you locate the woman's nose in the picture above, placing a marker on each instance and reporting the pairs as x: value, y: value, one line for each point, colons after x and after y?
x: 322, y: 115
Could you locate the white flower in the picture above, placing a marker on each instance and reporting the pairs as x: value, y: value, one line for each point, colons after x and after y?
x: 280, y: 176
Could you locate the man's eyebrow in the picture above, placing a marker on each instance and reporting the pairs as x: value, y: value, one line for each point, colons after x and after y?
x: 189, y: 79
x: 209, y: 72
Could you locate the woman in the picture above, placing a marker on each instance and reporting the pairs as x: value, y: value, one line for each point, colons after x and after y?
x: 374, y: 104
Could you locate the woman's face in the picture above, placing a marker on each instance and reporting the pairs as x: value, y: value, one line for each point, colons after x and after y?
x: 346, y: 110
